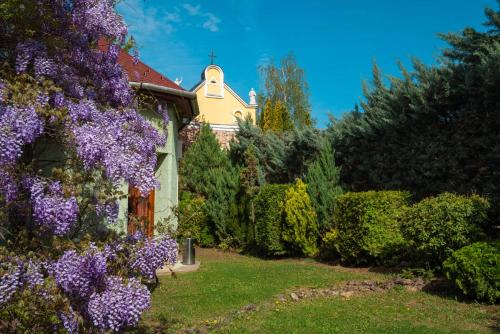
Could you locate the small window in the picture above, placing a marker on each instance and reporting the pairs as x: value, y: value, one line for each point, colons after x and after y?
x: 237, y: 114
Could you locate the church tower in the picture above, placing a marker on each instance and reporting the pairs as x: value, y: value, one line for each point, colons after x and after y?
x: 220, y: 106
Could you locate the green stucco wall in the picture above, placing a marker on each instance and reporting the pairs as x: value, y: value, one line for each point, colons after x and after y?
x: 166, y: 197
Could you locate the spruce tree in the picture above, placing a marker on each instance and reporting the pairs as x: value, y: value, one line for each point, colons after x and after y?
x: 207, y: 171
x: 202, y: 156
x: 323, y: 185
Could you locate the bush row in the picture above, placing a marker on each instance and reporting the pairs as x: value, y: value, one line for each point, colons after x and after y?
x: 369, y: 228
x: 284, y: 221
x: 383, y: 228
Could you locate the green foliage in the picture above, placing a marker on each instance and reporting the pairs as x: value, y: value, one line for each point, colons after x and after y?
x: 222, y: 185
x: 269, y: 219
x: 281, y: 159
x: 250, y: 179
x: 29, y: 312
x: 193, y: 221
x: 436, y: 226
x: 302, y: 148
x: 475, y: 269
x: 367, y: 226
x: 202, y: 156
x: 275, y: 117
x: 327, y: 245
x: 433, y: 130
x: 288, y: 85
x: 269, y: 151
x: 323, y: 186
x: 207, y: 171
x: 301, y: 228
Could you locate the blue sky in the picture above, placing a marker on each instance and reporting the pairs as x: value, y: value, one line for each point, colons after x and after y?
x: 334, y: 41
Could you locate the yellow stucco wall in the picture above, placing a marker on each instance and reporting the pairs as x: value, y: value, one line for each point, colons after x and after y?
x: 217, y: 104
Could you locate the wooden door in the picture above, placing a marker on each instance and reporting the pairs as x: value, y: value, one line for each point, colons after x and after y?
x: 141, y: 212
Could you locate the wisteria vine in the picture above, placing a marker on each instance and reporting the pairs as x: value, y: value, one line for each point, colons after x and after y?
x: 78, y: 96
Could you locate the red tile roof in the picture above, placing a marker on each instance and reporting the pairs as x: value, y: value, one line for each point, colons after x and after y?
x: 140, y: 72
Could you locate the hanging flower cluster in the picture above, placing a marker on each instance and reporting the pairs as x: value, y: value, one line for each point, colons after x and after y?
x: 50, y: 208
x: 153, y: 254
x: 119, y: 305
x: 80, y: 275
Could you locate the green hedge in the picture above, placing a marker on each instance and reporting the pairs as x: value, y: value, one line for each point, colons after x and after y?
x: 436, y: 226
x: 475, y: 269
x: 269, y: 218
x: 366, y: 226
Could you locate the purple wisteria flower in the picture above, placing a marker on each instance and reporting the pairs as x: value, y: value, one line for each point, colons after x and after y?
x: 93, y: 115
x: 11, y: 281
x: 152, y: 255
x: 108, y: 210
x: 119, y: 305
x: 19, y: 126
x: 50, y: 208
x: 80, y: 275
x: 70, y: 321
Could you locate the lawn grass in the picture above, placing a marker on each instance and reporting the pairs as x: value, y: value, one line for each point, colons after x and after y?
x: 396, y: 311
x: 227, y: 282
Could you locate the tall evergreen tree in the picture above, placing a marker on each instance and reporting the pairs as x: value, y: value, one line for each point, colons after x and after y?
x: 433, y: 130
x: 207, y: 171
x: 202, y: 156
x: 323, y: 185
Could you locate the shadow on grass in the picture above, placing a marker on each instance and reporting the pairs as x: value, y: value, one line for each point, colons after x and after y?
x: 160, y: 325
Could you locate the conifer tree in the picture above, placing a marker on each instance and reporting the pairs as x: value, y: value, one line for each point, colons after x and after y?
x: 250, y: 179
x: 207, y: 171
x: 301, y: 229
x: 323, y: 185
x: 433, y: 130
x: 202, y: 156
x: 275, y: 117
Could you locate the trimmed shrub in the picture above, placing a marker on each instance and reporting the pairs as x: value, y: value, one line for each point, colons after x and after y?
x: 475, y: 270
x: 301, y: 227
x: 327, y: 246
x: 367, y: 226
x: 193, y: 221
x: 269, y: 215
x: 437, y: 226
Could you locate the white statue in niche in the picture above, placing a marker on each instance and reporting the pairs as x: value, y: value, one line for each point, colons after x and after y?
x: 252, y: 96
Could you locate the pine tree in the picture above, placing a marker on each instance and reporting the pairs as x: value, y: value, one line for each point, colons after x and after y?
x: 267, y: 116
x: 275, y: 117
x: 323, y: 185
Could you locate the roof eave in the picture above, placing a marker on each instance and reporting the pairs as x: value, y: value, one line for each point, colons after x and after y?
x: 191, y: 96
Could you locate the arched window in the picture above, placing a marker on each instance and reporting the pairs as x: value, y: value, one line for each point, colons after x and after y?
x: 237, y: 114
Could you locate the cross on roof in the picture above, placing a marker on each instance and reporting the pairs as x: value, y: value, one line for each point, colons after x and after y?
x: 212, y: 56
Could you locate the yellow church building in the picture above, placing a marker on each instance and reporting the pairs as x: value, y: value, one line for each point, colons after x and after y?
x: 220, y: 106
